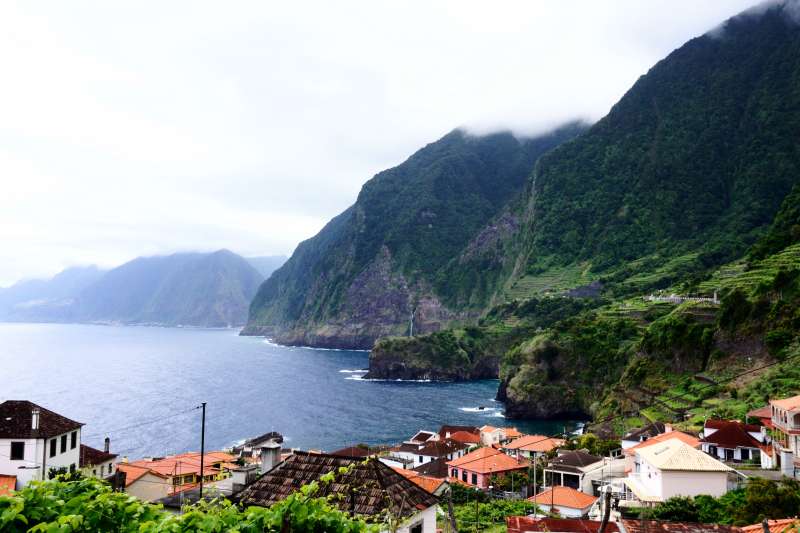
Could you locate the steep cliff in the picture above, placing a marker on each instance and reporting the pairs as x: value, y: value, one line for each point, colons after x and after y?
x: 695, y: 164
x: 376, y: 269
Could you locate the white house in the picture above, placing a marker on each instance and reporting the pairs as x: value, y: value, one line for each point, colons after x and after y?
x: 674, y: 468
x: 97, y: 463
x: 531, y: 446
x: 786, y: 423
x: 418, y: 454
x: 732, y: 441
x: 642, y: 434
x: 35, y: 441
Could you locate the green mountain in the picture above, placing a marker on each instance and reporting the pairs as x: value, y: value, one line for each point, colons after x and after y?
x: 378, y: 267
x: 196, y: 289
x: 51, y: 299
x: 688, y: 186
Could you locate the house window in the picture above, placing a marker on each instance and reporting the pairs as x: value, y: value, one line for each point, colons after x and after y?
x: 421, y: 460
x: 73, y: 440
x: 176, y: 480
x: 474, y: 479
x: 52, y: 447
x: 94, y: 471
x: 17, y: 451
x: 110, y: 468
x: 72, y: 467
x: 454, y: 473
x: 416, y: 528
x: 63, y: 443
x: 464, y: 476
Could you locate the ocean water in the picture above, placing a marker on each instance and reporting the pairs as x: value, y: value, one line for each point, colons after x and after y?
x: 140, y: 386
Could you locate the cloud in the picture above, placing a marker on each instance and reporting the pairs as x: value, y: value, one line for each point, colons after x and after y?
x: 149, y: 127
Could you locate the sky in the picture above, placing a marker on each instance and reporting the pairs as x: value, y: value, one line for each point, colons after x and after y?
x: 143, y: 128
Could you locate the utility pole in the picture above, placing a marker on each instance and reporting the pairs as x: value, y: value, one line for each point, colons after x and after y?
x: 202, y: 447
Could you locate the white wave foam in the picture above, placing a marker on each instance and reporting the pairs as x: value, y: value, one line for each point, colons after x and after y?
x: 361, y: 378
x: 478, y: 409
x: 345, y: 371
x: 498, y: 414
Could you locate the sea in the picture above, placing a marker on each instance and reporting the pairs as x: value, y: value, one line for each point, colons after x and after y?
x: 142, y: 388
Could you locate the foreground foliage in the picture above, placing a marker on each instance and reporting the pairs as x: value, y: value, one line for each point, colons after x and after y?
x: 90, y: 505
x: 761, y: 499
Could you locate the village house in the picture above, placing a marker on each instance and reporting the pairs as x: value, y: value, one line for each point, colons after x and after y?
x: 421, y: 437
x: 477, y: 468
x: 367, y: 488
x: 437, y: 468
x: 155, y: 478
x: 531, y: 446
x: 579, y: 470
x: 644, y: 433
x: 674, y: 468
x: 421, y: 453
x: 36, y: 442
x: 354, y: 451
x: 763, y: 415
x: 785, y: 422
x: 469, y: 435
x: 732, y: 441
x: 249, y: 450
x: 630, y: 453
x: 435, y: 486
x: 97, y: 463
x: 493, y: 436
x: 566, y: 501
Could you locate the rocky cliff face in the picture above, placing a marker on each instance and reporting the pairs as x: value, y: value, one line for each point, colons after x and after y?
x: 380, y: 268
x: 440, y: 358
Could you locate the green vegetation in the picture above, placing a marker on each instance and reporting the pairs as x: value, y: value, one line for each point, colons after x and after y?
x: 406, y: 226
x: 89, y: 505
x: 760, y: 499
x: 492, y: 513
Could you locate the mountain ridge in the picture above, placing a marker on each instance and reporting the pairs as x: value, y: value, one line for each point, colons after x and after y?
x: 187, y: 289
x: 372, y: 270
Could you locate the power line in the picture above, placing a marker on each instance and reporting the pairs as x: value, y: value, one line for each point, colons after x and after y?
x: 143, y: 423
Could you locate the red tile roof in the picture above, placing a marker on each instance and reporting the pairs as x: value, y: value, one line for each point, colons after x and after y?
x: 564, y: 497
x: 465, y: 437
x: 761, y: 412
x: 534, y: 443
x: 775, y: 526
x: 7, y: 484
x: 133, y: 472
x: 431, y: 484
x: 659, y: 526
x: 513, y: 433
x: 787, y: 404
x: 487, y: 461
x: 521, y: 524
x: 691, y: 440
x: 353, y: 451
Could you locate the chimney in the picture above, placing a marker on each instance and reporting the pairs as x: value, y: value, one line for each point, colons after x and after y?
x: 270, y: 456
x: 107, y: 445
x: 35, y: 418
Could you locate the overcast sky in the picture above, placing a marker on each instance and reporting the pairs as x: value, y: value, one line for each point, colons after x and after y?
x: 140, y: 128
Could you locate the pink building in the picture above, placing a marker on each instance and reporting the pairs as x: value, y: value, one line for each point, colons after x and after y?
x: 477, y: 468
